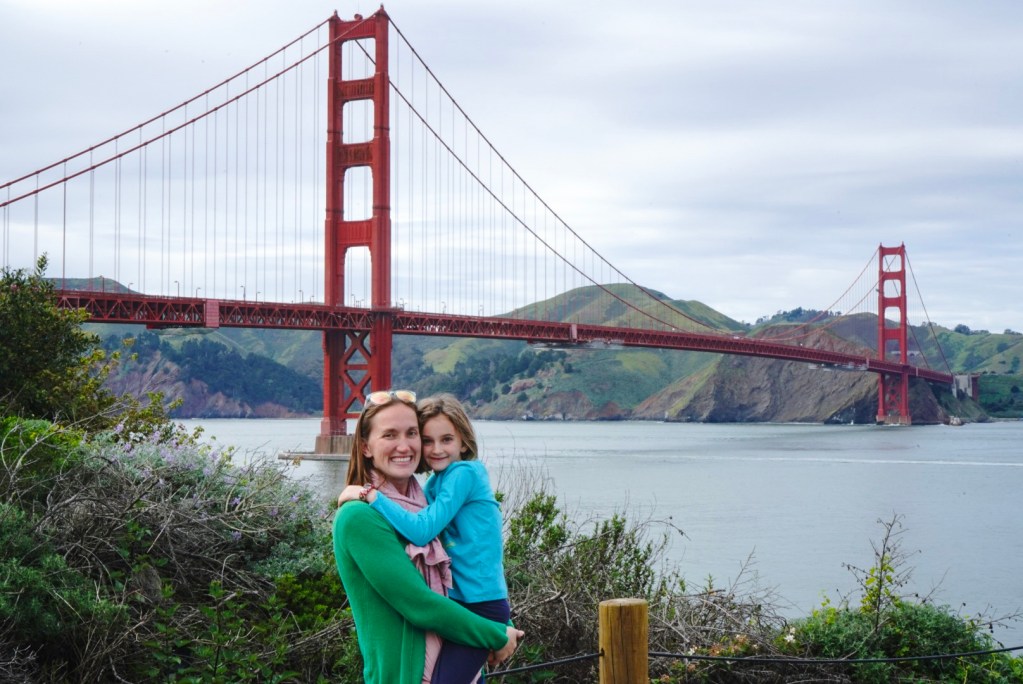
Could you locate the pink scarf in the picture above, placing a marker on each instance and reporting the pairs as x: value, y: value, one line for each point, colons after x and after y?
x: 431, y: 560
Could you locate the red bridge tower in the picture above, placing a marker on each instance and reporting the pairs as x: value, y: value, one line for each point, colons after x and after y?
x: 893, y: 388
x: 354, y: 362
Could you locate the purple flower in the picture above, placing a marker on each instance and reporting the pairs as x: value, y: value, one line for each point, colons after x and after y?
x: 236, y: 535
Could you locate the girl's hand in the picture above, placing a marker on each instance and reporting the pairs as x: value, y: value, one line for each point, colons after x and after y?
x: 350, y: 493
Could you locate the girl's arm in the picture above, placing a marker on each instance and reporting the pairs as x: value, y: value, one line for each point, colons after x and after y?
x: 352, y: 493
x: 419, y: 528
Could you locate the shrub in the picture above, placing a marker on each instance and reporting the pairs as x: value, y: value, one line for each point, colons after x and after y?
x: 154, y: 539
x: 46, y: 608
x: 33, y: 454
x: 887, y: 625
x: 559, y: 571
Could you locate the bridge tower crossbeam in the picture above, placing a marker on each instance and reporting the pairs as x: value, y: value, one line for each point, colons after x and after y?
x: 355, y: 362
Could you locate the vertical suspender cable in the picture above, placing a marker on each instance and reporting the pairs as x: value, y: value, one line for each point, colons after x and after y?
x: 262, y: 188
x: 225, y: 288
x: 35, y: 224
x: 206, y: 199
x: 63, y: 232
x: 438, y: 178
x: 394, y: 192
x: 7, y: 229
x: 425, y: 180
x: 298, y: 179
x: 318, y: 243
x: 279, y: 188
x: 163, y: 208
x: 235, y: 258
x: 185, y: 249
x: 144, y: 197
x: 92, y: 216
x: 213, y: 292
x: 409, y: 168
x: 191, y: 183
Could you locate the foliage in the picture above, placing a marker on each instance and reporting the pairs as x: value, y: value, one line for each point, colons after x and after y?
x: 1002, y: 395
x: 798, y: 315
x: 559, y: 571
x: 474, y: 378
x: 253, y: 378
x: 886, y: 624
x: 218, y: 567
x: 51, y: 369
x: 42, y: 600
x: 47, y: 362
x: 33, y: 453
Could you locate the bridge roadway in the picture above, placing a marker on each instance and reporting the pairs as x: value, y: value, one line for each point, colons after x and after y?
x: 165, y: 312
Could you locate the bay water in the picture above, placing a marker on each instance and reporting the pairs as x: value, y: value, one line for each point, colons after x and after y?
x: 787, y: 507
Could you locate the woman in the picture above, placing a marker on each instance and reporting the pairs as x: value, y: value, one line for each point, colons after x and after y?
x: 392, y: 606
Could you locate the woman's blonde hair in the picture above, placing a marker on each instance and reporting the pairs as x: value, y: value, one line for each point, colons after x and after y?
x: 448, y: 406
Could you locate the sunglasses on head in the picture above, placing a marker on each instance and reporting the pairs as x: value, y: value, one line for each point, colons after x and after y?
x: 386, y: 396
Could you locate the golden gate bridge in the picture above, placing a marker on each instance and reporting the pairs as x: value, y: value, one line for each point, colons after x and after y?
x: 336, y: 185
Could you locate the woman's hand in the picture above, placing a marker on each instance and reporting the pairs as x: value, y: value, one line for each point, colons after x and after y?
x: 354, y: 493
x: 498, y: 657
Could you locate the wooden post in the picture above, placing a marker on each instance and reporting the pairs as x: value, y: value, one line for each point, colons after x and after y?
x: 624, y: 647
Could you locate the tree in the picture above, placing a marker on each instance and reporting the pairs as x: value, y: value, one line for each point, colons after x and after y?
x: 47, y: 361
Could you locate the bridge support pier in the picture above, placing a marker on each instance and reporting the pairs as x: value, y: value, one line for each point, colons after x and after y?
x: 893, y: 399
x: 338, y: 445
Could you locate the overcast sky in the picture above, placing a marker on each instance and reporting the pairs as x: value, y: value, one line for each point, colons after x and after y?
x: 749, y: 155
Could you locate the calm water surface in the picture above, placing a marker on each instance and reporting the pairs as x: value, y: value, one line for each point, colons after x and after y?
x: 802, y: 500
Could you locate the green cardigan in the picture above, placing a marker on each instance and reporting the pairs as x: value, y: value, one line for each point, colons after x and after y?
x: 391, y: 603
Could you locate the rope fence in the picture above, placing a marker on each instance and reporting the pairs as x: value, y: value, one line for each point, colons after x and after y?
x: 624, y: 654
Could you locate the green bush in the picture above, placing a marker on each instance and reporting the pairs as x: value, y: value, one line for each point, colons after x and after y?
x: 46, y: 608
x: 33, y: 454
x: 559, y: 571
x: 886, y: 625
x: 48, y: 363
x: 148, y: 537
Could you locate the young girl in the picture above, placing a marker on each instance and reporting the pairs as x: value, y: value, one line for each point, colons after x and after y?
x: 462, y: 508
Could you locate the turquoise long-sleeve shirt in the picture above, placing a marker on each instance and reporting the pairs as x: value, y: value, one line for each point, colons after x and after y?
x: 392, y: 605
x: 463, y: 510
